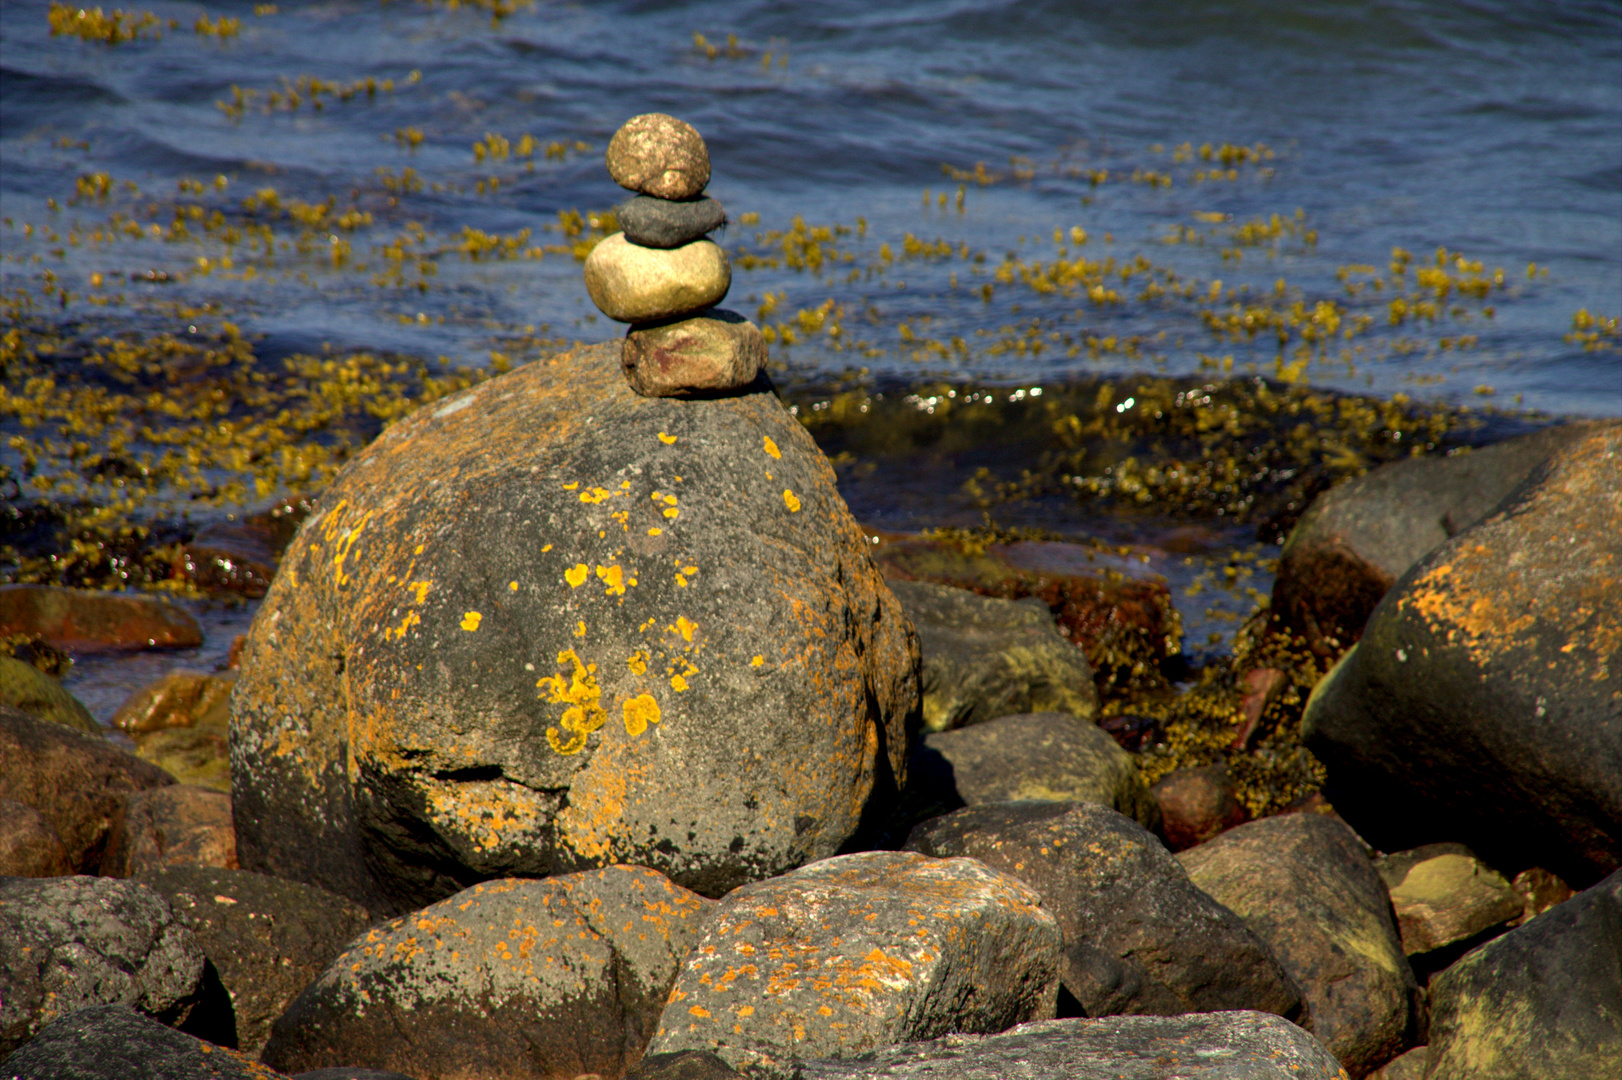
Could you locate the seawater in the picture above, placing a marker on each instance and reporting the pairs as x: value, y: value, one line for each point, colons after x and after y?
x: 1400, y: 197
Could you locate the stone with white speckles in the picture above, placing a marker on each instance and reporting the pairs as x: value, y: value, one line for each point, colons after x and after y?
x: 859, y: 952
x: 511, y: 978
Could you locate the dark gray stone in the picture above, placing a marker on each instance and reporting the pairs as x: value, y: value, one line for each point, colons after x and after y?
x: 1210, y: 1046
x: 1482, y: 704
x: 857, y: 952
x: 513, y: 978
x: 1357, y: 539
x: 1138, y: 935
x: 114, y: 1042
x: 662, y: 223
x: 682, y: 1065
x: 268, y: 938
x: 985, y: 657
x: 1304, y: 885
x: 77, y: 781
x: 646, y: 631
x: 1544, y: 999
x: 72, y: 942
x: 1047, y: 756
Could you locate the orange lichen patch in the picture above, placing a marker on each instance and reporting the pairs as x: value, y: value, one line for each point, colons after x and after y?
x: 656, y: 531
x: 491, y: 814
x: 678, y: 683
x: 470, y: 621
x: 791, y: 500
x: 1549, y: 565
x: 594, y: 824
x: 638, y: 662
x: 580, y: 692
x: 399, y: 632
x: 639, y: 712
x: 685, y: 627
x: 574, y: 486
x: 594, y: 495
x: 576, y: 575
x: 771, y: 448
x: 667, y: 439
x: 614, y: 578
x: 421, y: 589
x: 757, y: 661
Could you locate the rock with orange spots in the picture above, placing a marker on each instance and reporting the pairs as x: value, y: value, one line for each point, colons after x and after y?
x: 1304, y: 885
x: 1138, y: 936
x: 113, y: 1042
x: 1543, y: 1000
x: 986, y: 657
x: 1484, y: 703
x: 90, y: 621
x: 509, y: 979
x: 859, y: 952
x: 1212, y: 1046
x: 1357, y: 539
x: 550, y: 624
x: 267, y: 938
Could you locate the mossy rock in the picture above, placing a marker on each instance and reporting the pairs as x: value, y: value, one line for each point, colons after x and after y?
x: 27, y: 689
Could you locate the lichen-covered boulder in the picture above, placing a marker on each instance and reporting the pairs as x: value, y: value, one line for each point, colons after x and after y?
x: 510, y: 979
x: 114, y: 1042
x: 1484, y: 702
x: 851, y: 954
x: 550, y: 624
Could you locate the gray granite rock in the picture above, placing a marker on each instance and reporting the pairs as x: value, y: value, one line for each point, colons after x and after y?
x: 1204, y: 1046
x: 665, y: 223
x: 115, y: 1042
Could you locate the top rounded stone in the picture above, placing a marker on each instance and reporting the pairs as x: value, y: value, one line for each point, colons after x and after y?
x: 658, y: 155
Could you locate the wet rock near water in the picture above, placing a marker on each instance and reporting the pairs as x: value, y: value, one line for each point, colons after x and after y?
x: 114, y: 1042
x: 27, y: 689
x: 583, y: 650
x: 1212, y: 1046
x: 1197, y: 804
x: 267, y: 938
x: 73, y: 942
x: 176, y: 825
x: 664, y: 223
x: 76, y: 781
x: 1358, y: 538
x: 713, y: 352
x: 1481, y: 704
x: 635, y: 284
x: 858, y: 952
x: 984, y: 658
x: 1544, y: 999
x: 1047, y: 756
x: 29, y: 846
x: 1305, y: 886
x: 510, y: 978
x: 85, y: 621
x: 1138, y: 937
x: 659, y: 155
x: 181, y: 723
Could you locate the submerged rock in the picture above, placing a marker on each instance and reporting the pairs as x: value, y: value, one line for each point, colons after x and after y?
x: 851, y: 954
x: 640, y: 630
x: 984, y: 658
x: 1544, y: 999
x: 1303, y: 884
x: 1210, y: 1046
x: 89, y: 621
x: 509, y: 979
x: 1482, y: 703
x: 1357, y: 539
x: 1137, y: 935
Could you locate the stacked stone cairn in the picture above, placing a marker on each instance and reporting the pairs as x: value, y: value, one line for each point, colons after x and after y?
x: 663, y: 275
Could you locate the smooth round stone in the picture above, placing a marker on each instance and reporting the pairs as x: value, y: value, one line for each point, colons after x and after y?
x: 661, y: 223
x: 633, y: 284
x: 659, y: 155
x: 706, y: 354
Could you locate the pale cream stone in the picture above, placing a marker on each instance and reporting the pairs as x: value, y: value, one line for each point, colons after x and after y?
x: 632, y: 284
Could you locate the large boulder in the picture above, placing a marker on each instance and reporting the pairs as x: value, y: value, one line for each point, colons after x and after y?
x: 509, y: 979
x: 985, y: 657
x: 1544, y: 999
x: 115, y: 1042
x: 1210, y: 1046
x: 1044, y: 756
x: 78, y: 782
x: 1304, y: 885
x: 72, y: 942
x: 27, y: 689
x: 1481, y: 705
x: 267, y: 938
x: 1357, y: 539
x: 858, y: 952
x: 549, y: 624
x: 1137, y: 935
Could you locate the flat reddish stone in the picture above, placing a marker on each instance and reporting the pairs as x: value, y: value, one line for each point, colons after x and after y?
x: 87, y: 621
